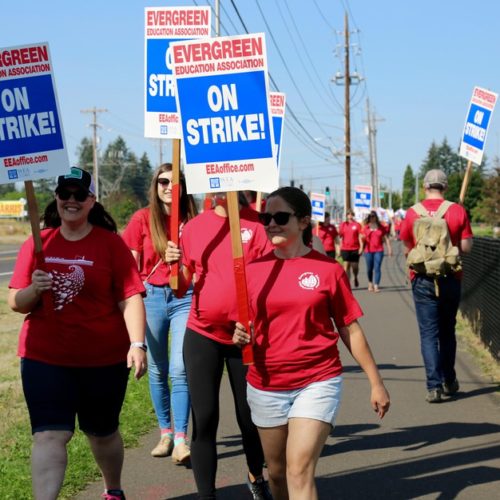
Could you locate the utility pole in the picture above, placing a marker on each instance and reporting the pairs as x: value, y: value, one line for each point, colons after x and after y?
x: 372, y: 143
x: 348, y: 80
x: 95, y: 125
x: 160, y: 146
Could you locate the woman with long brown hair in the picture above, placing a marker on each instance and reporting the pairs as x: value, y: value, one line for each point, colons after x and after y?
x: 147, y: 235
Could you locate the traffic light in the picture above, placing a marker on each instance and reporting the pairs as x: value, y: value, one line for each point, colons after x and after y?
x: 327, y: 191
x: 301, y: 187
x: 292, y: 183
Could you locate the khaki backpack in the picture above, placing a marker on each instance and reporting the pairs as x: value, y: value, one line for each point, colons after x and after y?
x: 433, y: 254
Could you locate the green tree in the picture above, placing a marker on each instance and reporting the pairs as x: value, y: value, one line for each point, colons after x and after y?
x: 443, y: 158
x: 408, y: 195
x: 137, y: 179
x: 85, y: 154
x: 488, y: 208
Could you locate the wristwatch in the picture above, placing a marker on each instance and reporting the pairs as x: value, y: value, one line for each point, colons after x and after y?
x: 140, y: 345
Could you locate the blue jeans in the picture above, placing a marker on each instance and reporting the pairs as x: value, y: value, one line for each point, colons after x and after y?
x: 436, y: 317
x: 165, y: 313
x: 373, y: 264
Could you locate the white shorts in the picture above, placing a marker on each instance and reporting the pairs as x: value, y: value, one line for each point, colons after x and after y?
x: 318, y: 401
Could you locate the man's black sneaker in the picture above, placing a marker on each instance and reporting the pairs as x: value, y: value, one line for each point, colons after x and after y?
x: 259, y: 489
x: 434, y: 395
x: 451, y: 388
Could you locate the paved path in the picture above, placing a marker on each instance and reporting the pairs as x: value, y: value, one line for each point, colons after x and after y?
x: 444, y: 451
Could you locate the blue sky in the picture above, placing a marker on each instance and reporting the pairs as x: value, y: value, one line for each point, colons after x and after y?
x: 419, y: 60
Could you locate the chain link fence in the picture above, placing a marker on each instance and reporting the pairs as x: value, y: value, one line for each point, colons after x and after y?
x: 481, y: 292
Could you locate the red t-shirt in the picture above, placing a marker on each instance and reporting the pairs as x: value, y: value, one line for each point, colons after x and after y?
x: 137, y: 236
x: 327, y: 235
x: 349, y: 232
x: 293, y: 302
x: 207, y: 251
x: 374, y: 238
x: 90, y: 277
x: 456, y: 218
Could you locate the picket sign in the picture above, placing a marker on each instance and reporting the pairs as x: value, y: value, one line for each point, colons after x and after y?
x: 32, y: 138
x: 477, y: 121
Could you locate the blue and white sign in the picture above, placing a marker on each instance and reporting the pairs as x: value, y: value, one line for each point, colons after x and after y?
x: 318, y: 205
x: 31, y: 135
x: 476, y: 124
x: 277, y: 102
x: 222, y: 96
x: 163, y: 26
x: 363, y: 197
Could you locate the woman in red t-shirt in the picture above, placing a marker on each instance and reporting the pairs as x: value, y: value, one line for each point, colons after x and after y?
x: 207, y: 256
x: 295, y: 383
x: 351, y: 246
x: 375, y: 234
x: 146, y: 235
x: 77, y: 348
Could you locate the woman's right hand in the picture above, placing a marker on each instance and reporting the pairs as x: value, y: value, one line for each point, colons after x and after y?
x: 240, y: 336
x: 41, y: 282
x: 172, y: 253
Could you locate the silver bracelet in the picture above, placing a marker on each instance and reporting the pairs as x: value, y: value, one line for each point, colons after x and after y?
x: 140, y: 345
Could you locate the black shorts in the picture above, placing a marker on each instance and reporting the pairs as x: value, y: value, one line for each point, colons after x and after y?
x: 350, y: 255
x: 55, y: 395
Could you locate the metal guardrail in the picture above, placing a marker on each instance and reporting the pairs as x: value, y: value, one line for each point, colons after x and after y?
x: 480, y: 303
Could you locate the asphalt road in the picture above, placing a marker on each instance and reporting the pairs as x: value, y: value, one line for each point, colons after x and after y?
x: 444, y: 451
x: 8, y: 255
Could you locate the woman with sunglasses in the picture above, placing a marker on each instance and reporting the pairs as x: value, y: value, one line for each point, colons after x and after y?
x: 205, y: 253
x: 375, y: 234
x: 146, y: 235
x: 295, y: 384
x: 77, y: 348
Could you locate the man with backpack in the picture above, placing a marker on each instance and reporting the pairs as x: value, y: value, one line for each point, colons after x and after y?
x: 435, y: 232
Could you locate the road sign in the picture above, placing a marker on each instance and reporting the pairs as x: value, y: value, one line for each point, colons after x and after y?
x: 222, y: 96
x: 163, y: 26
x: 363, y: 196
x: 476, y: 124
x: 31, y: 135
x: 318, y: 204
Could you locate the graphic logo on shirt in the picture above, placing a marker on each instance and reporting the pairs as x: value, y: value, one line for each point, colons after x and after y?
x: 308, y: 281
x: 66, y: 286
x: 246, y: 234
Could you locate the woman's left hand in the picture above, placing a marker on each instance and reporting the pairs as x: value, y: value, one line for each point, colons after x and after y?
x: 137, y: 357
x: 380, y: 400
x: 240, y: 336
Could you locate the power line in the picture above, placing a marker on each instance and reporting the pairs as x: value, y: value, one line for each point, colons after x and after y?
x: 287, y: 68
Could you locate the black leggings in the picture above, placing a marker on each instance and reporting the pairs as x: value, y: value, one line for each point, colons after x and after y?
x: 204, y: 359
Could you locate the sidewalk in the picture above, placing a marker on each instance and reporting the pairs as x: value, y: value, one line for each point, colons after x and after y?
x: 448, y: 450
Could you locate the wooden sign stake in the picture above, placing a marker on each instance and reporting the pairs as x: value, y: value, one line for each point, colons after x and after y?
x: 174, y: 212
x: 239, y: 272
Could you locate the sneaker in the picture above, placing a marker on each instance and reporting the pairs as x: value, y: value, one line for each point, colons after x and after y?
x: 451, y: 388
x: 181, y: 453
x: 113, y: 495
x: 434, y: 395
x: 259, y: 489
x: 164, y: 447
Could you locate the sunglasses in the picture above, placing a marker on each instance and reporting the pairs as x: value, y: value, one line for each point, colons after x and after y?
x: 163, y: 182
x: 281, y: 218
x: 65, y: 194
